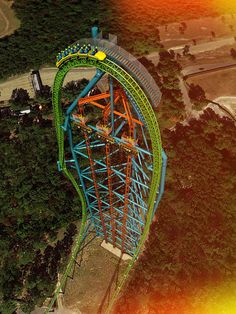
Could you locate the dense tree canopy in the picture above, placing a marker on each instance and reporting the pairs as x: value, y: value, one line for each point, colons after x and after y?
x: 166, y: 74
x: 197, y: 96
x: 191, y: 252
x: 46, y: 28
x: 19, y: 99
x: 233, y: 53
x: 196, y: 92
x: 72, y: 89
x: 36, y: 203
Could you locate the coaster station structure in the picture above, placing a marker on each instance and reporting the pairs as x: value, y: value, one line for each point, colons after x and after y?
x: 110, y: 146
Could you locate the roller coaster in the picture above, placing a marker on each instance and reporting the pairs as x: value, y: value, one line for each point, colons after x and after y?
x: 110, y: 147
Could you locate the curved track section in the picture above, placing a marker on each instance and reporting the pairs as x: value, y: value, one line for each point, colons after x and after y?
x: 143, y: 94
x: 127, y: 61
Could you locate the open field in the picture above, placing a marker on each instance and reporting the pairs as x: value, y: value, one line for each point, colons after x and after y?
x: 87, y: 291
x: 219, y: 55
x: 8, y: 21
x: 199, y: 29
x: 216, y: 84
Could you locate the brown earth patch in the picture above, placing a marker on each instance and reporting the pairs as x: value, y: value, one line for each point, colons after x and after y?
x: 8, y: 21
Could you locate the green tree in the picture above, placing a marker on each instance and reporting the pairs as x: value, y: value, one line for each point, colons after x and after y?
x: 190, y: 249
x: 36, y: 202
x: 45, y: 94
x: 73, y: 88
x: 19, y: 98
x: 197, y: 95
x: 8, y: 307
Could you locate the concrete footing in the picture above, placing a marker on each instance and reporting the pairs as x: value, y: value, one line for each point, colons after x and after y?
x: 109, y: 247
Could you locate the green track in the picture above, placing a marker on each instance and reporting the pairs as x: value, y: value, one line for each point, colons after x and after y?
x: 141, y: 100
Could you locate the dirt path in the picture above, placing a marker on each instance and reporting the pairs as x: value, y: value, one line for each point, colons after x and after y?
x: 8, y: 18
x: 227, y: 102
x: 208, y: 46
x: 5, y: 29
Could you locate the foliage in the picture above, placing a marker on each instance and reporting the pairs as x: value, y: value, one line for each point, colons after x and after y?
x: 45, y: 94
x: 196, y: 216
x: 136, y: 22
x: 166, y: 74
x: 46, y: 28
x: 186, y: 50
x: 197, y: 95
x: 36, y: 203
x: 191, y: 247
x: 43, y: 101
x: 72, y: 89
x: 196, y: 92
x: 19, y: 98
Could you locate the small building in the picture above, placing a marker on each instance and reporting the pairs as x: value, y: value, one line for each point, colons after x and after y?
x: 36, y: 81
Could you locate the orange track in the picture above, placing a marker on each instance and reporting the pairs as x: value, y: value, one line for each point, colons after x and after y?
x: 128, y: 115
x: 95, y: 185
x: 106, y: 112
x: 92, y: 101
x: 126, y: 200
x: 81, y: 111
x: 109, y: 173
x: 128, y: 171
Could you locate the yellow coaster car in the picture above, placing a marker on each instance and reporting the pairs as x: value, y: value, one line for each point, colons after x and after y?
x: 100, y: 55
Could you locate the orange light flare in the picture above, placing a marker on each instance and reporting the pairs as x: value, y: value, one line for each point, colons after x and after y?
x: 225, y: 6
x: 153, y: 13
x: 154, y: 9
x: 211, y: 299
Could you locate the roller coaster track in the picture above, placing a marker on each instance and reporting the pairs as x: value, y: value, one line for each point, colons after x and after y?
x: 142, y: 92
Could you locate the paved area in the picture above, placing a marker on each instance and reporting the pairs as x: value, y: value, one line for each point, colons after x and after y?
x: 227, y: 102
x: 22, y: 81
x: 186, y: 98
x: 154, y: 57
x: 108, y: 246
x: 211, y: 45
x: 199, y: 69
x: 199, y: 29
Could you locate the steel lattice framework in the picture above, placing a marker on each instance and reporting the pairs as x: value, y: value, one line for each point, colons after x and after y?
x: 110, y: 147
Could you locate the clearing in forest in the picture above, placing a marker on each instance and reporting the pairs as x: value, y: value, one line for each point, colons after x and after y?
x: 8, y: 21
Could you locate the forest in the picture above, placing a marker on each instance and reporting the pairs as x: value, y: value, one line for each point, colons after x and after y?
x: 189, y: 262
x: 46, y: 28
x: 38, y: 209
